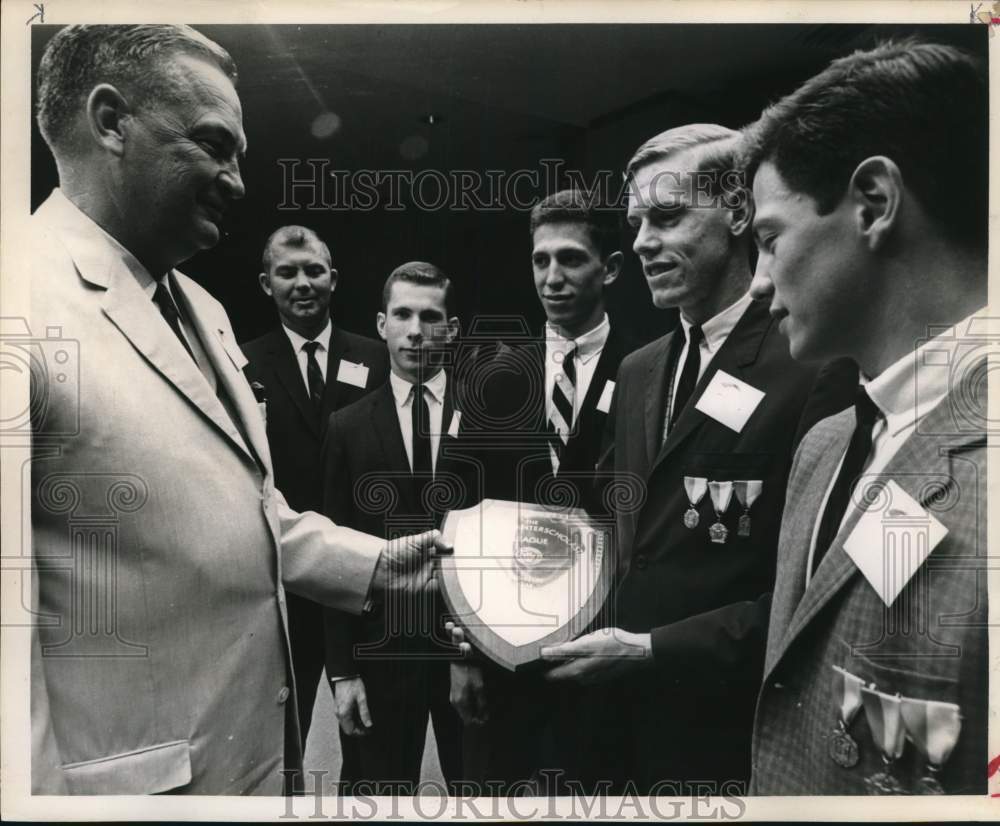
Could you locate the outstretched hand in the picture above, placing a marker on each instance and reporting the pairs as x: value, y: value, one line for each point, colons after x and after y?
x: 407, y: 563
x: 599, y: 656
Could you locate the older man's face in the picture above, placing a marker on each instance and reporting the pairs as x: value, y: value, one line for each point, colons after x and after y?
x: 181, y: 161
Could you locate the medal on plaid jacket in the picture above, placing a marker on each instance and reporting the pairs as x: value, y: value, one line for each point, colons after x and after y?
x: 843, y: 748
x: 695, y: 487
x: 934, y: 728
x: 885, y: 721
x: 721, y: 493
x: 746, y: 492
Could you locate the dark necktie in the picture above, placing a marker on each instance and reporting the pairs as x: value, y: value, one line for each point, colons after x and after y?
x: 689, y: 373
x: 314, y: 374
x: 866, y: 414
x: 421, y: 422
x: 165, y: 302
x: 563, y: 399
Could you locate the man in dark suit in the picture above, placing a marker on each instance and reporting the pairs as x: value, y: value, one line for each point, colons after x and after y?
x: 873, y: 246
x: 706, y: 416
x: 391, y: 462
x: 308, y: 368
x: 547, y: 400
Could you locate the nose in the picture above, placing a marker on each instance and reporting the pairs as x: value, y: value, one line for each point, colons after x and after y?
x: 301, y: 281
x: 761, y: 287
x: 554, y: 276
x: 645, y: 241
x: 415, y: 330
x: 232, y: 181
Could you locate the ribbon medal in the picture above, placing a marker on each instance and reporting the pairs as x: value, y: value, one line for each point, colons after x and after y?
x: 695, y: 487
x: 885, y: 720
x: 746, y: 492
x: 934, y: 728
x: 721, y: 493
x: 843, y: 748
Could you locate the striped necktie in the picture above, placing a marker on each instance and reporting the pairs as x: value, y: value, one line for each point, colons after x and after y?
x: 563, y: 398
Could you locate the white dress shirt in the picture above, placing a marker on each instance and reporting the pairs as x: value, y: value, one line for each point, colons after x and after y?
x: 715, y: 331
x: 402, y: 391
x: 298, y: 342
x: 587, y: 353
x: 904, y: 393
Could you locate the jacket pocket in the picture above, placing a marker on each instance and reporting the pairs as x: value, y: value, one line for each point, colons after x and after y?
x: 156, y: 768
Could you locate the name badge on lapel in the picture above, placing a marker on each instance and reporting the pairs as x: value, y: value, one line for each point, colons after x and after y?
x: 729, y: 401
x: 456, y: 417
x: 604, y: 403
x: 891, y: 541
x: 354, y: 374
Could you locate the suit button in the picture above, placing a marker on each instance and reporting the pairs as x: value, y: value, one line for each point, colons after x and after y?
x: 640, y: 562
x: 283, y: 694
x: 778, y: 686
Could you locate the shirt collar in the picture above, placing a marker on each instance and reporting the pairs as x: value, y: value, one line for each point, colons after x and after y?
x: 717, y: 329
x: 323, y: 338
x: 91, y: 238
x: 587, y: 346
x: 401, y: 388
x: 912, y: 386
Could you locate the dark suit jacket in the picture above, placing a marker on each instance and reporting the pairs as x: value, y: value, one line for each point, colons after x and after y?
x: 368, y: 486
x: 930, y: 645
x: 518, y: 464
x: 706, y: 604
x: 294, y: 428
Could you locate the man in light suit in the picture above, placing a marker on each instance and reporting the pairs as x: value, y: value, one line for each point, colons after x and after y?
x: 308, y: 368
x: 873, y: 247
x: 391, y: 462
x: 706, y: 417
x: 162, y: 550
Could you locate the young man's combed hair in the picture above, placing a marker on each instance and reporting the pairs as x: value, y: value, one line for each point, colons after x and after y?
x: 573, y: 206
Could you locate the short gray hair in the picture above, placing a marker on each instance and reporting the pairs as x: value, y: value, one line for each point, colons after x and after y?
x: 296, y: 237
x: 80, y: 57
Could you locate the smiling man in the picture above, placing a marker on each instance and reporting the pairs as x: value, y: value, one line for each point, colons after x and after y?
x: 706, y: 416
x: 152, y: 488
x: 873, y: 246
x: 309, y: 368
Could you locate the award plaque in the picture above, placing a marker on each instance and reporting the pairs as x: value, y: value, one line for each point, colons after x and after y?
x: 524, y: 576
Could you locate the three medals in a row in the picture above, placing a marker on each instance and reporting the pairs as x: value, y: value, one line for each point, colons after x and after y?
x: 932, y: 726
x: 747, y: 491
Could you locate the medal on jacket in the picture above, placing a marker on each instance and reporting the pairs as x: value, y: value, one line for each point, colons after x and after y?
x: 721, y: 493
x: 746, y: 492
x: 843, y: 748
x: 934, y: 728
x: 695, y: 487
x: 885, y: 721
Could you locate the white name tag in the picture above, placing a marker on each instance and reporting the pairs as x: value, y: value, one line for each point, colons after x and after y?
x: 891, y: 541
x: 456, y: 417
x: 607, y: 394
x: 729, y: 401
x: 350, y: 373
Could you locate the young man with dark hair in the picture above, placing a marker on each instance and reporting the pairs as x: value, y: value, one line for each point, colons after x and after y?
x: 873, y: 247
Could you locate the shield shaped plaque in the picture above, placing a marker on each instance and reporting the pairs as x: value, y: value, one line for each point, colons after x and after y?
x: 523, y: 576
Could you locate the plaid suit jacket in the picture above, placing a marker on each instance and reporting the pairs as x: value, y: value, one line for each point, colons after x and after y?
x: 930, y: 644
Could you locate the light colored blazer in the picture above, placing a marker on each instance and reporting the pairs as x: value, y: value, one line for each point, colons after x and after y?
x: 930, y: 645
x: 161, y: 546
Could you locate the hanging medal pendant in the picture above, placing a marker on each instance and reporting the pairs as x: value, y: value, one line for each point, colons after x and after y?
x: 743, y: 527
x: 843, y: 748
x: 695, y: 488
x: 746, y: 491
x: 884, y: 782
x: 721, y: 493
x: 718, y: 533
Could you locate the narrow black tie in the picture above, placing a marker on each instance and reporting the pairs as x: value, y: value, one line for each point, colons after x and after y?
x: 421, y: 421
x: 866, y: 414
x: 314, y: 374
x: 165, y: 302
x: 689, y: 373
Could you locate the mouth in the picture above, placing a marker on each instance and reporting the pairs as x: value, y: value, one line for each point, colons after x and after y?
x: 556, y: 299
x: 654, y: 269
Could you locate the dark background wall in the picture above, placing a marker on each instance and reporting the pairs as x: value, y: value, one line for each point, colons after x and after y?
x: 503, y: 97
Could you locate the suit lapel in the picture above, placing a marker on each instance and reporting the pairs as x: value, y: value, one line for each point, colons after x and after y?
x: 385, y: 423
x: 919, y: 452
x: 286, y: 368
x: 738, y: 352
x: 656, y: 391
